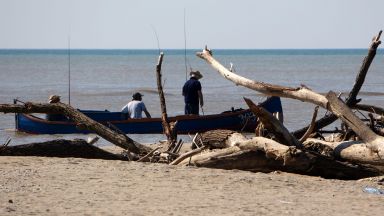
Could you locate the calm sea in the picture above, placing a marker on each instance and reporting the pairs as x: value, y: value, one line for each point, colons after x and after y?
x: 106, y: 79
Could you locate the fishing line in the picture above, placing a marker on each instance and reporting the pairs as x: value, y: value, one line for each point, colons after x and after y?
x: 157, y: 38
x: 69, y: 69
x: 185, y: 50
x: 69, y: 52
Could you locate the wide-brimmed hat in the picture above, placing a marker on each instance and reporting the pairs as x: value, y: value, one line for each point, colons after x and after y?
x: 137, y: 95
x: 196, y: 74
x: 53, y: 98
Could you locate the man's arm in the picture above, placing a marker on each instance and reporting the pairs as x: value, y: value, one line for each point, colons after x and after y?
x: 201, y: 99
x: 147, y: 113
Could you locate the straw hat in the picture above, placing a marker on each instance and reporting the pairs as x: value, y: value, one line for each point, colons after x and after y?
x: 196, y: 74
x: 54, y: 99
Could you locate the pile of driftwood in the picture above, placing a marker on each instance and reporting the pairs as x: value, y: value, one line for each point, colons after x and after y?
x: 355, y: 151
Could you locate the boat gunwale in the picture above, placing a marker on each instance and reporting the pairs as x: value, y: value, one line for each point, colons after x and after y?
x: 130, y: 120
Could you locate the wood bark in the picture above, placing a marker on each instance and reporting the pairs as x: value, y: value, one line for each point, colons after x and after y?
x: 186, y: 155
x: 79, y: 118
x: 219, y: 138
x: 352, y: 151
x: 373, y: 142
x: 351, y: 100
x: 265, y: 155
x: 272, y: 124
x: 311, y: 126
x: 369, y: 108
x: 169, y: 129
x: 60, y: 148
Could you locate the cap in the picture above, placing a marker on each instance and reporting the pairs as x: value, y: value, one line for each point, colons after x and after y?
x: 137, y: 95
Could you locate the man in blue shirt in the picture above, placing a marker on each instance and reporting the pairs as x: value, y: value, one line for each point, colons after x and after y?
x: 192, y: 94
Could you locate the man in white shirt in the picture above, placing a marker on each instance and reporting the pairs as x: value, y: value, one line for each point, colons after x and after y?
x: 135, y: 107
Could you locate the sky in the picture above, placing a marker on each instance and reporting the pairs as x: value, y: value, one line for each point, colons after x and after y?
x: 220, y: 24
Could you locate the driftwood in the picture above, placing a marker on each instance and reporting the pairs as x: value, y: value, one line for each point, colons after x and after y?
x: 265, y: 155
x: 60, y: 148
x: 351, y: 100
x: 344, y: 151
x: 272, y: 124
x: 300, y: 93
x: 186, y: 155
x: 146, y: 157
x: 169, y: 129
x: 230, y: 150
x: 369, y: 108
x: 373, y: 142
x: 112, y: 136
x: 311, y: 126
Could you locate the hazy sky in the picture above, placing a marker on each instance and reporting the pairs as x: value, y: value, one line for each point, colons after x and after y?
x: 124, y: 24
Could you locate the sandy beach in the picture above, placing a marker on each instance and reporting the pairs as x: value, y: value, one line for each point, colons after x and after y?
x: 75, y: 186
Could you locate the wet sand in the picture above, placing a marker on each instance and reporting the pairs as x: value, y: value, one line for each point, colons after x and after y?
x: 74, y: 186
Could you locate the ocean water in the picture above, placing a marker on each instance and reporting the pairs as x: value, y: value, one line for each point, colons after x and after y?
x: 106, y: 79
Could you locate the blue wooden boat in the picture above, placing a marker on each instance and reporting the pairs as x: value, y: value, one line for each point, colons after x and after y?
x: 239, y: 120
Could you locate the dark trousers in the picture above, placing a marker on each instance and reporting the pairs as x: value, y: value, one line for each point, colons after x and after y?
x: 191, y: 109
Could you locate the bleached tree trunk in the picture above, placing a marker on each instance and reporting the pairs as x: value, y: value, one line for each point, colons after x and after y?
x: 372, y: 141
x: 265, y: 155
x: 352, y: 151
x: 114, y: 137
x: 299, y: 93
x: 169, y: 129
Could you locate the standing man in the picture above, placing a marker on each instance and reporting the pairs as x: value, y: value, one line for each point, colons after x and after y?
x: 135, y: 107
x: 192, y: 94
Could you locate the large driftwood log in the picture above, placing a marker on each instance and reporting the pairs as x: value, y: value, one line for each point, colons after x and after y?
x: 299, y: 93
x: 169, y: 129
x: 351, y: 100
x: 351, y: 151
x: 265, y: 155
x: 373, y: 142
x: 60, y: 148
x: 114, y: 137
x: 273, y: 125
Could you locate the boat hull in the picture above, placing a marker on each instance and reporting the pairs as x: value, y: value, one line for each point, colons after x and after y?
x: 238, y: 120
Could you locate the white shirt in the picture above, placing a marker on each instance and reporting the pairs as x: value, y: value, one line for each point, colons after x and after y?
x: 134, y: 109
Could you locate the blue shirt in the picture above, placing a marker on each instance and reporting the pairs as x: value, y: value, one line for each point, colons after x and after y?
x: 190, y: 89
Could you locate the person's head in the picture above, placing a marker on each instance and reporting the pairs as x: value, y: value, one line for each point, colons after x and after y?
x: 54, y: 99
x: 196, y: 74
x: 137, y: 96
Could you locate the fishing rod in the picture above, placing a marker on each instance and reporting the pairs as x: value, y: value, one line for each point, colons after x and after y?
x: 69, y: 69
x: 157, y: 38
x: 185, y: 50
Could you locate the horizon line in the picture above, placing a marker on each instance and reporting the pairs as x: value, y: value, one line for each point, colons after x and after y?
x: 182, y: 48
